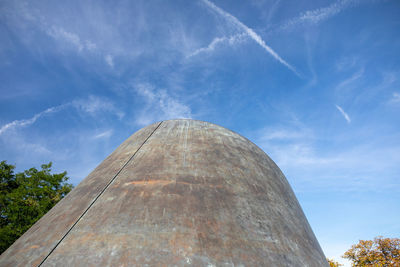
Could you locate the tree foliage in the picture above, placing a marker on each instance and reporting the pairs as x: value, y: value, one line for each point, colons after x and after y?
x: 25, y: 197
x: 333, y: 263
x: 378, y: 252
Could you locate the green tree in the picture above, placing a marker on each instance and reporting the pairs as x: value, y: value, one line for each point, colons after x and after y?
x: 25, y: 197
x: 378, y: 252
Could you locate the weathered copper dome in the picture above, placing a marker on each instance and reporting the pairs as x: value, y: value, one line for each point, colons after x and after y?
x: 176, y: 193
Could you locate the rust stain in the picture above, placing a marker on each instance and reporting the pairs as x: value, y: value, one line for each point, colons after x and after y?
x: 166, y: 182
x: 149, y: 182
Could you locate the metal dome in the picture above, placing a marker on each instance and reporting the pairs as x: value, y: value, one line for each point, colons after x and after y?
x: 175, y: 193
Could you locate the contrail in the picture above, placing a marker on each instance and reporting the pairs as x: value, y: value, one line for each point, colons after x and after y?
x: 231, y: 40
x: 20, y: 123
x: 345, y: 115
x: 251, y: 33
x: 320, y: 14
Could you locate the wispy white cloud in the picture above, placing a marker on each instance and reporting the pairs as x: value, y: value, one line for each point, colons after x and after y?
x: 272, y: 10
x: 296, y: 151
x: 358, y: 87
x: 294, y: 141
x: 277, y: 134
x: 310, y: 60
x: 30, y: 121
x: 92, y: 105
x: 90, y: 46
x: 251, y: 33
x: 105, y: 134
x: 291, y: 145
x: 345, y: 115
x: 389, y: 78
x: 23, y: 147
x: 395, y: 98
x: 22, y: 14
x: 61, y: 34
x: 346, y: 63
x: 109, y: 60
x: 354, y: 77
x: 299, y: 153
x: 160, y: 105
x: 317, y: 15
x: 237, y: 38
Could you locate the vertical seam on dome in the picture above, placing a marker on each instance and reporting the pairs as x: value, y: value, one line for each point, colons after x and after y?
x: 98, y: 196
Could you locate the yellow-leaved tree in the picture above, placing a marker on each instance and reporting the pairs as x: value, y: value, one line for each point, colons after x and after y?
x: 380, y: 252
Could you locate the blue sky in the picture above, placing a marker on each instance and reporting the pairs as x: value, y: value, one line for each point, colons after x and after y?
x: 315, y: 84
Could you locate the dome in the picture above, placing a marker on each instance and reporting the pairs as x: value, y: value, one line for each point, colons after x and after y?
x: 175, y: 193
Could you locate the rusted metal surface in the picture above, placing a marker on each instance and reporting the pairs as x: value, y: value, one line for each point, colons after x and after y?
x: 193, y: 194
